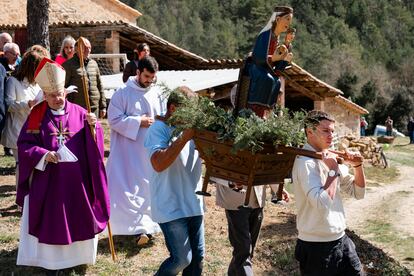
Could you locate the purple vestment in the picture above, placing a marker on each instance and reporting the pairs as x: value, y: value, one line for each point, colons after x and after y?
x: 69, y: 201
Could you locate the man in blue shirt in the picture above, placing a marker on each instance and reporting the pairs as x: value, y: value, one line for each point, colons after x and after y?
x: 174, y: 204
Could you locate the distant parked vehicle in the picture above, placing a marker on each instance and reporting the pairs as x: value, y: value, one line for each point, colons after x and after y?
x: 380, y: 131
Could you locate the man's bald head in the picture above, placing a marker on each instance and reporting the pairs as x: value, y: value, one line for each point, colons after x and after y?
x: 4, y: 38
x: 87, y: 47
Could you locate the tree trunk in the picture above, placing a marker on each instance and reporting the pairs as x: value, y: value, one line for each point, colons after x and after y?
x: 38, y: 23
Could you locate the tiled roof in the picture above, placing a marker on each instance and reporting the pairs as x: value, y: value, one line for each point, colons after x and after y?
x: 350, y: 105
x: 69, y: 11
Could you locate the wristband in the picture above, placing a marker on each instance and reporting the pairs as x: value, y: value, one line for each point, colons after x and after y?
x: 357, y: 166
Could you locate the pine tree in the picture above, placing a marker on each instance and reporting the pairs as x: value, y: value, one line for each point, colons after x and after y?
x: 38, y: 22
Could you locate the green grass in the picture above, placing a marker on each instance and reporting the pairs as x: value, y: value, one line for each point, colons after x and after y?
x: 5, y: 238
x: 380, y: 175
x: 7, y: 163
x: 379, y: 228
x: 384, y: 233
x: 402, y: 144
x: 106, y: 267
x: 401, y: 158
x: 400, y: 152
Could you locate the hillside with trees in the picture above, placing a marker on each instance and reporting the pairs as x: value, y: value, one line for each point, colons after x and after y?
x: 363, y: 47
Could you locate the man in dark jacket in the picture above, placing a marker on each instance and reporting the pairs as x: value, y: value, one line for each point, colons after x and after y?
x: 142, y: 50
x: 2, y: 96
x: 74, y: 74
x: 410, y: 128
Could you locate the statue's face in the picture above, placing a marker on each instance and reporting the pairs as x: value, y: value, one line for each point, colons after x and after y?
x: 283, y: 23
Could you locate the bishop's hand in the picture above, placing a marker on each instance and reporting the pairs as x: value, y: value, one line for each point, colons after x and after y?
x: 52, y: 157
x: 91, y: 118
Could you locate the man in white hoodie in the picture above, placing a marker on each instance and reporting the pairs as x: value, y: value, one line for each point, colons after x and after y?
x: 131, y: 111
x: 323, y: 248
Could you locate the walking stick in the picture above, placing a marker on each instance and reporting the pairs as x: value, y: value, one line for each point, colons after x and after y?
x: 81, y: 44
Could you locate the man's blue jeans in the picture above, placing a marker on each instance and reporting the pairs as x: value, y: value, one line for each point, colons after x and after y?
x: 184, y: 238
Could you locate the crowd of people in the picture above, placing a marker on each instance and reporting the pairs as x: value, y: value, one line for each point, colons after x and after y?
x: 149, y: 182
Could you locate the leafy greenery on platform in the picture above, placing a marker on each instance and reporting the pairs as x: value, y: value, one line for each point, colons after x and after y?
x: 246, y: 130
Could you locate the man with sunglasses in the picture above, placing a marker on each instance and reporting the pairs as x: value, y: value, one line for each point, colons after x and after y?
x: 130, y: 113
x: 323, y: 248
x: 10, y: 57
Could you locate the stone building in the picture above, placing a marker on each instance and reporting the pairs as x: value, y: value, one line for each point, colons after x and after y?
x: 305, y: 91
x: 111, y: 27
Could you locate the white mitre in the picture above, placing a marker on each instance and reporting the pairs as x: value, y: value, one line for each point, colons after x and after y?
x: 50, y: 76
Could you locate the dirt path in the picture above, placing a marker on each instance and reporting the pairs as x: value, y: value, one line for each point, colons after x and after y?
x: 386, y: 217
x: 358, y: 211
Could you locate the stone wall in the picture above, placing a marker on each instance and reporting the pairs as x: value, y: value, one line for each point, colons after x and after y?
x: 347, y: 121
x: 98, y: 40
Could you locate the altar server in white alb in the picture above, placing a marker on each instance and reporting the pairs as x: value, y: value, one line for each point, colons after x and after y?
x: 131, y: 111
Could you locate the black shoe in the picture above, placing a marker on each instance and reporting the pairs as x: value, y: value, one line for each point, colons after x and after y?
x: 52, y: 272
x: 275, y: 200
x: 8, y: 152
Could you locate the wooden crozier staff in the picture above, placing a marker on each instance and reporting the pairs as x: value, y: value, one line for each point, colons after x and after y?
x: 80, y: 47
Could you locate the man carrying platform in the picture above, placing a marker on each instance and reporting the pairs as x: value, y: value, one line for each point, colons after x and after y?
x: 174, y: 203
x: 323, y: 248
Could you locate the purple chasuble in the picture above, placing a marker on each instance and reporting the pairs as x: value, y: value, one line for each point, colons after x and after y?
x: 69, y: 201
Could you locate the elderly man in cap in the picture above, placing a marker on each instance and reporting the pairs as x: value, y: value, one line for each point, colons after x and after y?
x: 62, y: 182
